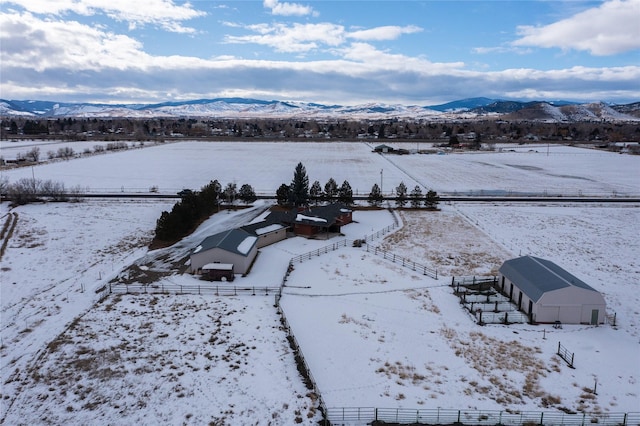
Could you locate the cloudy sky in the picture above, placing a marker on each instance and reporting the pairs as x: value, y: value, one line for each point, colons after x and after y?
x: 331, y: 52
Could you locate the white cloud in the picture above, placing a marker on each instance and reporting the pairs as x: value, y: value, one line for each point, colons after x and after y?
x: 383, y: 33
x: 301, y: 38
x: 49, y: 58
x: 501, y: 49
x: 611, y: 28
x: 46, y: 44
x: 288, y: 9
x: 294, y: 38
x: 161, y: 13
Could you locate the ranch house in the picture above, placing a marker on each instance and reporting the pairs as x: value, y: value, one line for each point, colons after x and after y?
x: 234, y: 247
x: 312, y: 221
x: 548, y: 293
x: 322, y: 219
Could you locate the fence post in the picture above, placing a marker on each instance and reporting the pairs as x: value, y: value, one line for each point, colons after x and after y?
x: 541, y: 417
x: 558, y: 348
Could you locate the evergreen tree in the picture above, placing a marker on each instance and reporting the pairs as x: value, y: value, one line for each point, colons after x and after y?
x: 416, y: 197
x: 230, y: 192
x: 315, y: 192
x: 282, y: 195
x: 247, y: 194
x: 209, y: 196
x: 375, y: 196
x: 401, y: 194
x: 432, y: 199
x: 330, y: 190
x: 345, y: 193
x: 299, y: 189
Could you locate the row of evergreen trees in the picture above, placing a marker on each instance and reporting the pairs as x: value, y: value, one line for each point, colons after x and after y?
x: 415, y: 198
x: 194, y: 207
x: 298, y: 193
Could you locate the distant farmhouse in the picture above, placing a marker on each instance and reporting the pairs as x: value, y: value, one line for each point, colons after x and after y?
x: 234, y: 251
x: 386, y: 149
x: 549, y: 294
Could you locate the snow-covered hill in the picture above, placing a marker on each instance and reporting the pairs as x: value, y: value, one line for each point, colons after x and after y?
x: 253, y: 108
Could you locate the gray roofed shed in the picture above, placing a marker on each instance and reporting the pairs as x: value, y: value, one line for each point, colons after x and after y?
x: 536, y: 276
x: 549, y: 293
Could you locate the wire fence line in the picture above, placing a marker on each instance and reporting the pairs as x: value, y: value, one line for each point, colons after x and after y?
x: 301, y: 361
x: 366, y: 415
x: 217, y: 290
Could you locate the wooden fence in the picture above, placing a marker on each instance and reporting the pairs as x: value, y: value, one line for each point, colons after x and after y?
x: 439, y: 416
x: 407, y: 263
x: 217, y: 290
x: 379, y: 233
x: 318, y: 252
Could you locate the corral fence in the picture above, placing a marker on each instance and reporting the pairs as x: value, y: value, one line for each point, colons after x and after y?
x: 407, y: 263
x: 217, y: 290
x: 481, y: 297
x: 367, y: 415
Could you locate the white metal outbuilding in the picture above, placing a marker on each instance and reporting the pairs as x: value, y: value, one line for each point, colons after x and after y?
x: 548, y: 293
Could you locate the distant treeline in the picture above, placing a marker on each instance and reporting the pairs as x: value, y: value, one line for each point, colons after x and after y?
x: 465, y: 130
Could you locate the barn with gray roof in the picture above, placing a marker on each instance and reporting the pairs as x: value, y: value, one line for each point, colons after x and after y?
x: 548, y: 293
x: 236, y: 247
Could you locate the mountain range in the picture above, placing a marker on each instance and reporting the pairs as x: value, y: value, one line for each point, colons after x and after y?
x: 472, y: 108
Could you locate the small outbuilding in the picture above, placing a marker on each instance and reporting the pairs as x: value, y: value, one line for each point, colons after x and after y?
x: 218, y: 272
x: 384, y: 149
x: 549, y: 294
x: 235, y: 247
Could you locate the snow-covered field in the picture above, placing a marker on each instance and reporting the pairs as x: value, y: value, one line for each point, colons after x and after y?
x: 266, y: 165
x: 373, y: 333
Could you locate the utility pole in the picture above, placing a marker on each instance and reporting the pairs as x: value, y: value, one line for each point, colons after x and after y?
x: 381, y: 191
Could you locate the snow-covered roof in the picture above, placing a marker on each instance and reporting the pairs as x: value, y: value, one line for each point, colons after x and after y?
x: 262, y: 227
x: 269, y: 228
x: 235, y: 241
x: 245, y: 246
x: 301, y: 217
